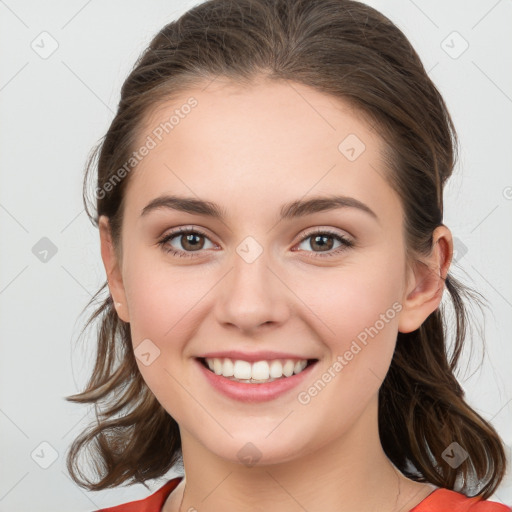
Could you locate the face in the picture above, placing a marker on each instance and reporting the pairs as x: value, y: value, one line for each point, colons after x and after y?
x: 316, y: 284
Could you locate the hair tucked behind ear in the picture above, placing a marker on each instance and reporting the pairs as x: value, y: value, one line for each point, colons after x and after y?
x: 350, y: 51
x: 422, y: 409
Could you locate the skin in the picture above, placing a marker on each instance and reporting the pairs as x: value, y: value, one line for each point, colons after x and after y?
x: 251, y: 149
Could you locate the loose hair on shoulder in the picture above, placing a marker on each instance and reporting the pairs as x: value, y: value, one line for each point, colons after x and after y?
x: 349, y: 51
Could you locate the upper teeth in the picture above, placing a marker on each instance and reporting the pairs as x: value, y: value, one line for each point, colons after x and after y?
x: 259, y: 370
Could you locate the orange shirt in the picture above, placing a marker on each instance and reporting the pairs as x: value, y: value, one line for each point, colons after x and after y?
x: 440, y: 500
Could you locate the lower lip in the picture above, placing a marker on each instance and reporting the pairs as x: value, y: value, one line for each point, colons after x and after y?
x: 245, y: 392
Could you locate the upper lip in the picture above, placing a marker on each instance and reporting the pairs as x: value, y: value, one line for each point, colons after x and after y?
x: 265, y: 355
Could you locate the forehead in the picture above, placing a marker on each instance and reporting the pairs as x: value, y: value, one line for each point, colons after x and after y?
x: 257, y: 147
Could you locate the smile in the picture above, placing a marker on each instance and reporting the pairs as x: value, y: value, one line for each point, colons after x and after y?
x: 257, y: 372
x: 254, y: 382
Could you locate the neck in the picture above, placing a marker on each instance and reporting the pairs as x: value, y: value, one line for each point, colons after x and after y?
x: 348, y: 474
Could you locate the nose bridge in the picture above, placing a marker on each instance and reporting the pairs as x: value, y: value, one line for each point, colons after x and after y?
x: 252, y: 294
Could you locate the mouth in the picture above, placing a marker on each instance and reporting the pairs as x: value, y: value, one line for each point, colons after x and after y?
x: 274, y: 378
x: 259, y: 372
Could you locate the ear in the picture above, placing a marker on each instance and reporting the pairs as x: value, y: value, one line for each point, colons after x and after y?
x: 112, y: 269
x: 426, y: 282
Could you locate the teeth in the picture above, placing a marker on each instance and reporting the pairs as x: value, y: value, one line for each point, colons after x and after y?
x: 241, y: 370
x: 288, y: 368
x: 260, y: 371
x: 276, y: 369
x: 228, y: 368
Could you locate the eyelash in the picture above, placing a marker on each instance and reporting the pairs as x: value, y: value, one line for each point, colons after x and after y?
x: 346, y: 243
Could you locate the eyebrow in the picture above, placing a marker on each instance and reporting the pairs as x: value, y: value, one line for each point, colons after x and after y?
x: 294, y: 209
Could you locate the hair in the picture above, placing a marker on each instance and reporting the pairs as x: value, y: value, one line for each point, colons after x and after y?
x: 352, y: 52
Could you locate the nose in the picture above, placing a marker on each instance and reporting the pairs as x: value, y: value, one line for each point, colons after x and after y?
x: 253, y: 295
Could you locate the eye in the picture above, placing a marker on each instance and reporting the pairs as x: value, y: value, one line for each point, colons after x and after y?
x: 191, y: 241
x: 321, y: 239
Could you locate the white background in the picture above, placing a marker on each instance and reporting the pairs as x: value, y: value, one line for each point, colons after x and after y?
x: 54, y: 110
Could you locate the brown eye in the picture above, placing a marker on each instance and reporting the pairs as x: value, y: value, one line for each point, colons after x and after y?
x: 184, y: 241
x: 192, y: 241
x: 323, y: 242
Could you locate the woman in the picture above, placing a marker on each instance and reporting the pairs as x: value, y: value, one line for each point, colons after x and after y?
x: 270, y: 203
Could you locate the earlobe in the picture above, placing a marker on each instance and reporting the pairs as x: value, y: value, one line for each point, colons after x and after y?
x: 427, y: 282
x: 112, y: 269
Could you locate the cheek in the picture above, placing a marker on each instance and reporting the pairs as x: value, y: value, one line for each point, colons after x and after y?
x: 357, y: 314
x: 349, y: 299
x: 356, y: 309
x: 164, y: 304
x: 162, y: 297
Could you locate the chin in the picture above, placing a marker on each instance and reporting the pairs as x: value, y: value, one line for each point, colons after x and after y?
x: 259, y: 450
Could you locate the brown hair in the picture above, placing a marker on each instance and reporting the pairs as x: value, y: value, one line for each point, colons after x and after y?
x: 351, y: 51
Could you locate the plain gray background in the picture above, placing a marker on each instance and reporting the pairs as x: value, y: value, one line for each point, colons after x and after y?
x: 55, y: 107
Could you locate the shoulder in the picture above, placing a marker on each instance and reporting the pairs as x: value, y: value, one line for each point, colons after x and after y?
x: 446, y: 500
x: 152, y: 503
